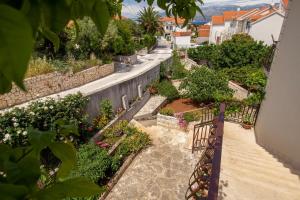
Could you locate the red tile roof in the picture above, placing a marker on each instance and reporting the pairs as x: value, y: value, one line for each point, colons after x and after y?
x: 230, y: 15
x: 204, y: 31
x: 217, y: 20
x: 180, y: 34
x: 285, y: 3
x: 172, y: 19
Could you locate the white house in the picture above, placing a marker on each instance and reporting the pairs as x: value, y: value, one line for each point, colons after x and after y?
x: 203, y: 34
x: 181, y: 39
x: 170, y: 25
x: 217, y: 27
x: 267, y: 28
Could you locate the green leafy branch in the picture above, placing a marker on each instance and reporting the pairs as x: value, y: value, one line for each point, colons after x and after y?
x: 22, y: 20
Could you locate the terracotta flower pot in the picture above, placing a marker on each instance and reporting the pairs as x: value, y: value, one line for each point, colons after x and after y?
x: 246, y: 126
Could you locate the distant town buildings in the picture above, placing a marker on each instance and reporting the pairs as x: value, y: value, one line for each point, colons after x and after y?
x: 263, y: 24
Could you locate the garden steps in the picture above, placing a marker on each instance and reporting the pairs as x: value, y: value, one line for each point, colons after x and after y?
x: 151, y: 107
x: 249, y: 172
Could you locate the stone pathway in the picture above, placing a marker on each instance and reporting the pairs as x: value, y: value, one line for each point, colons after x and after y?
x: 150, y: 107
x: 161, y: 172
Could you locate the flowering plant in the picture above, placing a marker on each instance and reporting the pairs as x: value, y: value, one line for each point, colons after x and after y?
x: 41, y: 115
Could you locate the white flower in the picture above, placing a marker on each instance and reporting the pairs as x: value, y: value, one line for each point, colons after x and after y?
x: 61, y: 138
x: 14, y: 119
x: 71, y: 138
x: 51, y: 107
x: 77, y: 46
x: 51, y: 173
x: 7, y: 137
x: 32, y: 113
x: 56, y: 169
x: 24, y: 133
x: 45, y: 108
x: 16, y: 124
x: 19, y: 132
x: 42, y: 166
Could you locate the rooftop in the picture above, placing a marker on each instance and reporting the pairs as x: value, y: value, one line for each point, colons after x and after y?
x: 172, y: 20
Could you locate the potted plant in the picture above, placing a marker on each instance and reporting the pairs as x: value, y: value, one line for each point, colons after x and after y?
x: 247, y: 123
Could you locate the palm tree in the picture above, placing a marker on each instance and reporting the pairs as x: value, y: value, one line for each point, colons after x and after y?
x: 148, y: 18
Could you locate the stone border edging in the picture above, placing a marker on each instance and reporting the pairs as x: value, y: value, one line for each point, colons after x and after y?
x: 118, y: 175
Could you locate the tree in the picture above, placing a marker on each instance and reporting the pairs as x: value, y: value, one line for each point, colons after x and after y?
x: 241, y: 50
x: 148, y: 19
x: 21, y: 20
x: 204, y: 85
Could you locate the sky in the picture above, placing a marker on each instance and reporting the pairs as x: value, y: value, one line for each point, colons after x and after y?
x: 131, y: 7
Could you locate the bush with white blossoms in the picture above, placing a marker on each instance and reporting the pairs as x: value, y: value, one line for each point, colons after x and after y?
x: 40, y: 115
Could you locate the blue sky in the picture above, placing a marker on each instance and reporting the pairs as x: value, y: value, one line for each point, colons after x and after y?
x: 131, y: 7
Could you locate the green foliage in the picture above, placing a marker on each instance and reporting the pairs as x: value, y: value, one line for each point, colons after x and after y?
x: 247, y: 120
x: 202, y: 53
x: 163, y: 71
x: 131, y: 144
x: 148, y: 19
x: 257, y: 80
x: 22, y: 20
x: 255, y: 98
x: 205, y: 85
x: 20, y: 170
x: 189, y: 117
x: 241, y: 50
x: 106, y: 109
x: 167, y: 111
x: 92, y: 163
x: 177, y: 69
x: 149, y: 41
x: 166, y: 89
x: 42, y: 115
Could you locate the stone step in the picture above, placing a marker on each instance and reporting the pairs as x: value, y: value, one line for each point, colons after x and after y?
x: 278, y: 172
x: 290, y: 182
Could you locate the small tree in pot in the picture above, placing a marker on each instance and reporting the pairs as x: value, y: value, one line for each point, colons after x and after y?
x: 247, y: 122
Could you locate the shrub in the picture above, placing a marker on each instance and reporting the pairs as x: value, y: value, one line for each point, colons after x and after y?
x: 177, y: 69
x: 165, y: 88
x: 167, y: 111
x: 92, y: 163
x: 131, y: 144
x: 238, y: 74
x: 38, y: 66
x: 256, y: 81
x: 241, y: 50
x: 42, y: 115
x: 106, y: 109
x: 189, y: 117
x: 202, y: 53
x: 149, y: 41
x: 205, y: 85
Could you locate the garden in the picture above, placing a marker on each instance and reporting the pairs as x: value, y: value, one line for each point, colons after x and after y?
x: 52, y: 143
x: 239, y: 60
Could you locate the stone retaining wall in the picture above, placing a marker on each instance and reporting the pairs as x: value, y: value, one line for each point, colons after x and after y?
x: 167, y: 121
x: 47, y: 84
x: 239, y: 92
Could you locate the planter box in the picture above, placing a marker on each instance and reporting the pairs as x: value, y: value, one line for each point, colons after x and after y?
x: 127, y: 59
x: 167, y: 121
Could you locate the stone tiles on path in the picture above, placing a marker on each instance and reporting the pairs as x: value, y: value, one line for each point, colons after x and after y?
x: 160, y: 172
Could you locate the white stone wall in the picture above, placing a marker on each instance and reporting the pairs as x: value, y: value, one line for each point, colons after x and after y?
x: 182, y: 41
x: 167, y: 121
x: 215, y: 32
x: 263, y: 30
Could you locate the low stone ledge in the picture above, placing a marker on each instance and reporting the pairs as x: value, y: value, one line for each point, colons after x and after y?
x: 167, y: 121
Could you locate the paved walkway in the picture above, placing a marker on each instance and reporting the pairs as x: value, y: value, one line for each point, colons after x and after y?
x: 150, y: 107
x: 161, y: 172
x: 248, y: 172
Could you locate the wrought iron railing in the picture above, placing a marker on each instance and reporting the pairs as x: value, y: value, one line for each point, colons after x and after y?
x: 205, y: 178
x: 208, y: 138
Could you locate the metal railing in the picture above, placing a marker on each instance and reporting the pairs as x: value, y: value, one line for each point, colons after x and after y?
x: 208, y: 138
x: 204, y: 181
